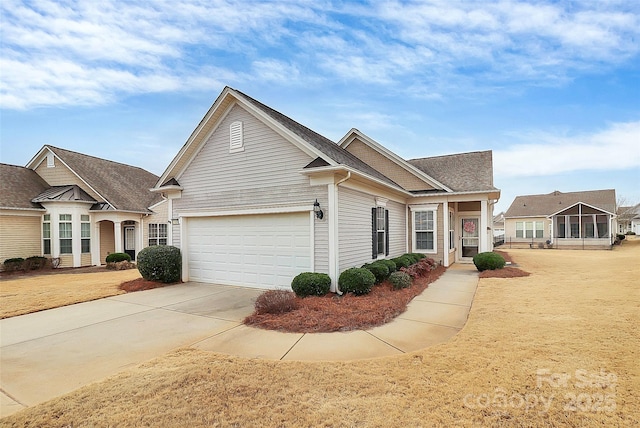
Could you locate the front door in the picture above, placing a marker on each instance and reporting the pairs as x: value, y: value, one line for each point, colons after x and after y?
x: 470, y: 236
x: 130, y: 241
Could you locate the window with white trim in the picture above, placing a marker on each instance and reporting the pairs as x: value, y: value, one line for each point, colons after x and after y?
x: 46, y: 234
x: 424, y: 231
x: 157, y: 234
x: 85, y: 234
x: 236, y: 137
x: 529, y: 229
x: 65, y: 234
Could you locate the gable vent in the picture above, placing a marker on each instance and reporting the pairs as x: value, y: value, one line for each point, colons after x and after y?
x: 236, y: 139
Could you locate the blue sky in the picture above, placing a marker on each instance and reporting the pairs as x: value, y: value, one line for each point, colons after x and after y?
x: 551, y: 87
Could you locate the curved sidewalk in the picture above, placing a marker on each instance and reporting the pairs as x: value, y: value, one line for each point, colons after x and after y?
x: 433, y: 317
x: 49, y: 353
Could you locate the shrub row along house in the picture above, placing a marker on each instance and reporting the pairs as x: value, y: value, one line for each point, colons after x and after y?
x: 565, y: 220
x: 253, y: 198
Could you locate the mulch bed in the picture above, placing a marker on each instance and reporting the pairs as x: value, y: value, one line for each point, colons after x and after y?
x: 141, y: 284
x: 505, y: 272
x: 347, y: 312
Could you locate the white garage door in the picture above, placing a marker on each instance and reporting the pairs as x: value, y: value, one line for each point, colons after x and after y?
x: 264, y: 251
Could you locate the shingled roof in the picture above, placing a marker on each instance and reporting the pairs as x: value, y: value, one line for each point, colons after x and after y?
x: 326, y: 146
x: 546, y: 205
x: 71, y: 193
x: 125, y: 187
x: 463, y: 172
x: 18, y: 186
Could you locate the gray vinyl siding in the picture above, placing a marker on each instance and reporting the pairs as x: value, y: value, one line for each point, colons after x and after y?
x: 354, y: 228
x: 267, y: 171
x: 397, y: 228
x: 321, y: 234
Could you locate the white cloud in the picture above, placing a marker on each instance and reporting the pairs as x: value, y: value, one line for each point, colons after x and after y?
x: 615, y: 148
x: 63, y: 48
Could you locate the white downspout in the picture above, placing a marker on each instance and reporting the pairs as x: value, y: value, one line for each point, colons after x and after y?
x: 334, y: 262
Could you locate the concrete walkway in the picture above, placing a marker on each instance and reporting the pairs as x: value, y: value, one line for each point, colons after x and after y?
x: 50, y: 353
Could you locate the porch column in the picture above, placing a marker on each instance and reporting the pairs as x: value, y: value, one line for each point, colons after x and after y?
x: 445, y: 233
x: 139, y: 229
x: 482, y: 233
x: 117, y: 236
x: 95, y: 245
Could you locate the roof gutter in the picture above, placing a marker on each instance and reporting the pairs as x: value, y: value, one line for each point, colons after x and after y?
x: 349, y: 171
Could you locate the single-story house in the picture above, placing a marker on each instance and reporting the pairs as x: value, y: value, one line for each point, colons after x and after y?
x: 498, y: 228
x: 629, y: 219
x: 77, y: 208
x: 254, y: 198
x: 565, y: 220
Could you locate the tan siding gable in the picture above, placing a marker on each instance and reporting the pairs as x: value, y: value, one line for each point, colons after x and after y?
x: 266, y: 172
x: 387, y: 167
x: 60, y: 175
x: 20, y: 236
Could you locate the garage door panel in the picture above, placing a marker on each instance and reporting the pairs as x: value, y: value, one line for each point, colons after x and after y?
x: 264, y: 251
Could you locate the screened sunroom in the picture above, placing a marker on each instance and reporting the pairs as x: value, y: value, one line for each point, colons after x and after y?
x: 582, y: 225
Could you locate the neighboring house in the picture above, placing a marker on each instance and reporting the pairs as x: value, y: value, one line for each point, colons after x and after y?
x: 78, y: 208
x: 498, y: 228
x: 572, y: 219
x: 256, y: 198
x: 629, y: 219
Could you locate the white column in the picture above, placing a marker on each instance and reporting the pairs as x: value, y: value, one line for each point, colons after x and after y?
x: 117, y: 236
x: 95, y: 245
x: 139, y: 229
x: 55, y: 234
x: 445, y: 233
x: 482, y: 233
x: 76, y: 235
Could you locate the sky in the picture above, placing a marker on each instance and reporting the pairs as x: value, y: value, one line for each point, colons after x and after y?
x: 551, y: 87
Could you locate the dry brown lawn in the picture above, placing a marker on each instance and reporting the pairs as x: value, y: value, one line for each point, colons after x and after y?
x: 554, y: 349
x: 34, y: 293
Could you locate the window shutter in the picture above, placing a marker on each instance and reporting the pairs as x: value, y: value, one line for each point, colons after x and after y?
x: 374, y: 234
x: 386, y: 232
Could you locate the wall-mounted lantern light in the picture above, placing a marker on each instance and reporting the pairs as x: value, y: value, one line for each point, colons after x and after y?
x: 175, y: 221
x: 317, y: 210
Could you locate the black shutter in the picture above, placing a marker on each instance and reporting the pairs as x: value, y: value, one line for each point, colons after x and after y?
x: 386, y: 232
x: 374, y: 234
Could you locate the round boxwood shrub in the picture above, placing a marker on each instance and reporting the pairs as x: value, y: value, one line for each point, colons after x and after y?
x: 35, y: 263
x: 419, y: 256
x: 488, y: 261
x: 118, y: 257
x: 13, y: 264
x: 402, y: 261
x: 400, y: 280
x: 356, y: 280
x: 379, y: 270
x: 311, y: 284
x: 162, y: 263
x: 390, y: 264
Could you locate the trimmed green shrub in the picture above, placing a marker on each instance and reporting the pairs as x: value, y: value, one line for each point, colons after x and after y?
x: 630, y: 233
x: 400, y: 280
x: 413, y: 258
x: 118, y: 257
x: 356, y: 280
x: 390, y: 264
x: 379, y: 270
x: 402, y: 261
x: 162, y: 263
x: 123, y: 265
x: 35, y: 263
x: 311, y: 284
x: 420, y: 256
x: 13, y: 264
x: 488, y: 261
x: 276, y: 302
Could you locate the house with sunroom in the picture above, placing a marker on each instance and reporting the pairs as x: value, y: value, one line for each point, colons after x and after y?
x: 254, y: 198
x: 584, y: 219
x: 77, y: 209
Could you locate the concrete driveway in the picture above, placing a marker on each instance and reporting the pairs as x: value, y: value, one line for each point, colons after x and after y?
x: 46, y: 354
x: 49, y: 353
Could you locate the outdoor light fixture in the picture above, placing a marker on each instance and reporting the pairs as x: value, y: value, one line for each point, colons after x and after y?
x: 317, y: 210
x: 175, y: 221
